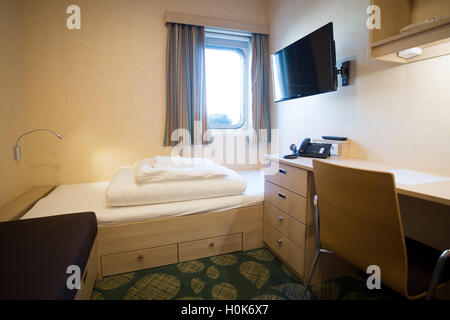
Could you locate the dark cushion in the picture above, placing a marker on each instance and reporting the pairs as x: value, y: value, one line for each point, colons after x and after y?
x: 421, y: 262
x: 35, y: 254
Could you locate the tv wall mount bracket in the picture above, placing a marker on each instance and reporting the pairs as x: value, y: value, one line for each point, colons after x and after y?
x: 344, y: 71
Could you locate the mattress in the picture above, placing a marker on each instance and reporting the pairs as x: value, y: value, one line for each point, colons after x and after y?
x: 36, y: 253
x: 91, y: 197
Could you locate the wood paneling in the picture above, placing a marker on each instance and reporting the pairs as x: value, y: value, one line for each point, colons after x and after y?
x: 431, y: 37
x: 419, y: 225
x: 426, y: 39
x: 426, y: 9
x: 394, y: 16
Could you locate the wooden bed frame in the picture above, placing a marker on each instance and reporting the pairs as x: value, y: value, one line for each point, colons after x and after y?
x: 151, y: 243
x: 89, y: 275
x: 157, y: 242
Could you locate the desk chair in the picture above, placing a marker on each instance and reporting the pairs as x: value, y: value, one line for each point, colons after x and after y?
x: 360, y: 222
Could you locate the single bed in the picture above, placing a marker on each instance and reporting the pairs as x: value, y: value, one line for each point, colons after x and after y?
x: 91, y: 197
x: 139, y: 237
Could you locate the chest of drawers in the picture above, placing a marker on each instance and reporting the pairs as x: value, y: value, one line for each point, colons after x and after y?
x: 286, y: 195
x: 289, y: 222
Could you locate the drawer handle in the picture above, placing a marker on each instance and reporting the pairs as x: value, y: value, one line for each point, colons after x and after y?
x: 282, y: 171
x: 280, y: 241
x: 282, y: 196
x: 141, y: 257
x: 280, y: 219
x: 212, y: 245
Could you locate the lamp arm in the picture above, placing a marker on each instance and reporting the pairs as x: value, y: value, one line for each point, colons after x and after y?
x: 36, y: 130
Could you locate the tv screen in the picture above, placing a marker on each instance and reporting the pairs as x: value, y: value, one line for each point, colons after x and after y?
x: 306, y: 67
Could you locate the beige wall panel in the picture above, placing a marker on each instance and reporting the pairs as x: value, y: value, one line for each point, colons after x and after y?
x: 14, y: 176
x: 102, y: 87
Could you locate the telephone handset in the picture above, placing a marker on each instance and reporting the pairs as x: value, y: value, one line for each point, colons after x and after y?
x: 303, y: 146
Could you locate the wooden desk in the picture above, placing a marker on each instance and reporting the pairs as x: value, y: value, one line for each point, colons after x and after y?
x: 424, y: 199
x: 438, y: 191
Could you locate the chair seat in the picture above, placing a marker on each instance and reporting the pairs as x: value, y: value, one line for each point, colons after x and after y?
x: 421, y: 262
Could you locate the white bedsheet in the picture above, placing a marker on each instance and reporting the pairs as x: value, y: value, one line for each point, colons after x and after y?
x: 91, y: 197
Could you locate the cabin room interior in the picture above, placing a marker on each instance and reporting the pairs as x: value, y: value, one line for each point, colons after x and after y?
x: 224, y: 149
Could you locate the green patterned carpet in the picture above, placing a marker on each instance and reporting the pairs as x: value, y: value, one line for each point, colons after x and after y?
x: 255, y: 274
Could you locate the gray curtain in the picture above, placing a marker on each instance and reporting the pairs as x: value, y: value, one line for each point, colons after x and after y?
x: 260, y: 88
x: 185, y: 87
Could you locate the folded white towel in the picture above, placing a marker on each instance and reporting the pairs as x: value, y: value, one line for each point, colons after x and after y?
x: 163, y: 169
x: 123, y: 191
x: 175, y: 162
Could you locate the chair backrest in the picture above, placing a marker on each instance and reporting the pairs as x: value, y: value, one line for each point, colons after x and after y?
x: 360, y: 220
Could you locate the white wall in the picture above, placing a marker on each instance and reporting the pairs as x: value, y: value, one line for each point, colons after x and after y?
x: 397, y: 114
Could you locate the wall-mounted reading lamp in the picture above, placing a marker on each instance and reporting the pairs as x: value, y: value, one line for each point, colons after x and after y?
x: 18, y: 152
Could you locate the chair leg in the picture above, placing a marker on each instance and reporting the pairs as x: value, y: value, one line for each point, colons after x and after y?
x: 437, y: 274
x: 311, y: 272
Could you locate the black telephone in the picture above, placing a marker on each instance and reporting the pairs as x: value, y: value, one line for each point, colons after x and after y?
x: 314, y: 150
x: 311, y: 150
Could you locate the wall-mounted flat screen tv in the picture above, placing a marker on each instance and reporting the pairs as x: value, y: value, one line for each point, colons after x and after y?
x: 306, y: 67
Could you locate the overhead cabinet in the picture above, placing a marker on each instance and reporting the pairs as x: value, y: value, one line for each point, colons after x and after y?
x: 411, y: 30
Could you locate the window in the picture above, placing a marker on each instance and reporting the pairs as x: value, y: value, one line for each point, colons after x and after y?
x: 227, y: 74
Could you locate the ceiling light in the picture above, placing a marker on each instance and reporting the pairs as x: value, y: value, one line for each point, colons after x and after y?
x: 410, y: 53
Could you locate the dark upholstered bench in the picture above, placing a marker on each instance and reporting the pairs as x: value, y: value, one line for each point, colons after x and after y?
x: 36, y: 253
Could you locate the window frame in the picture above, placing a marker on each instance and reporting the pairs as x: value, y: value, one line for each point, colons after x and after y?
x: 240, y: 43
